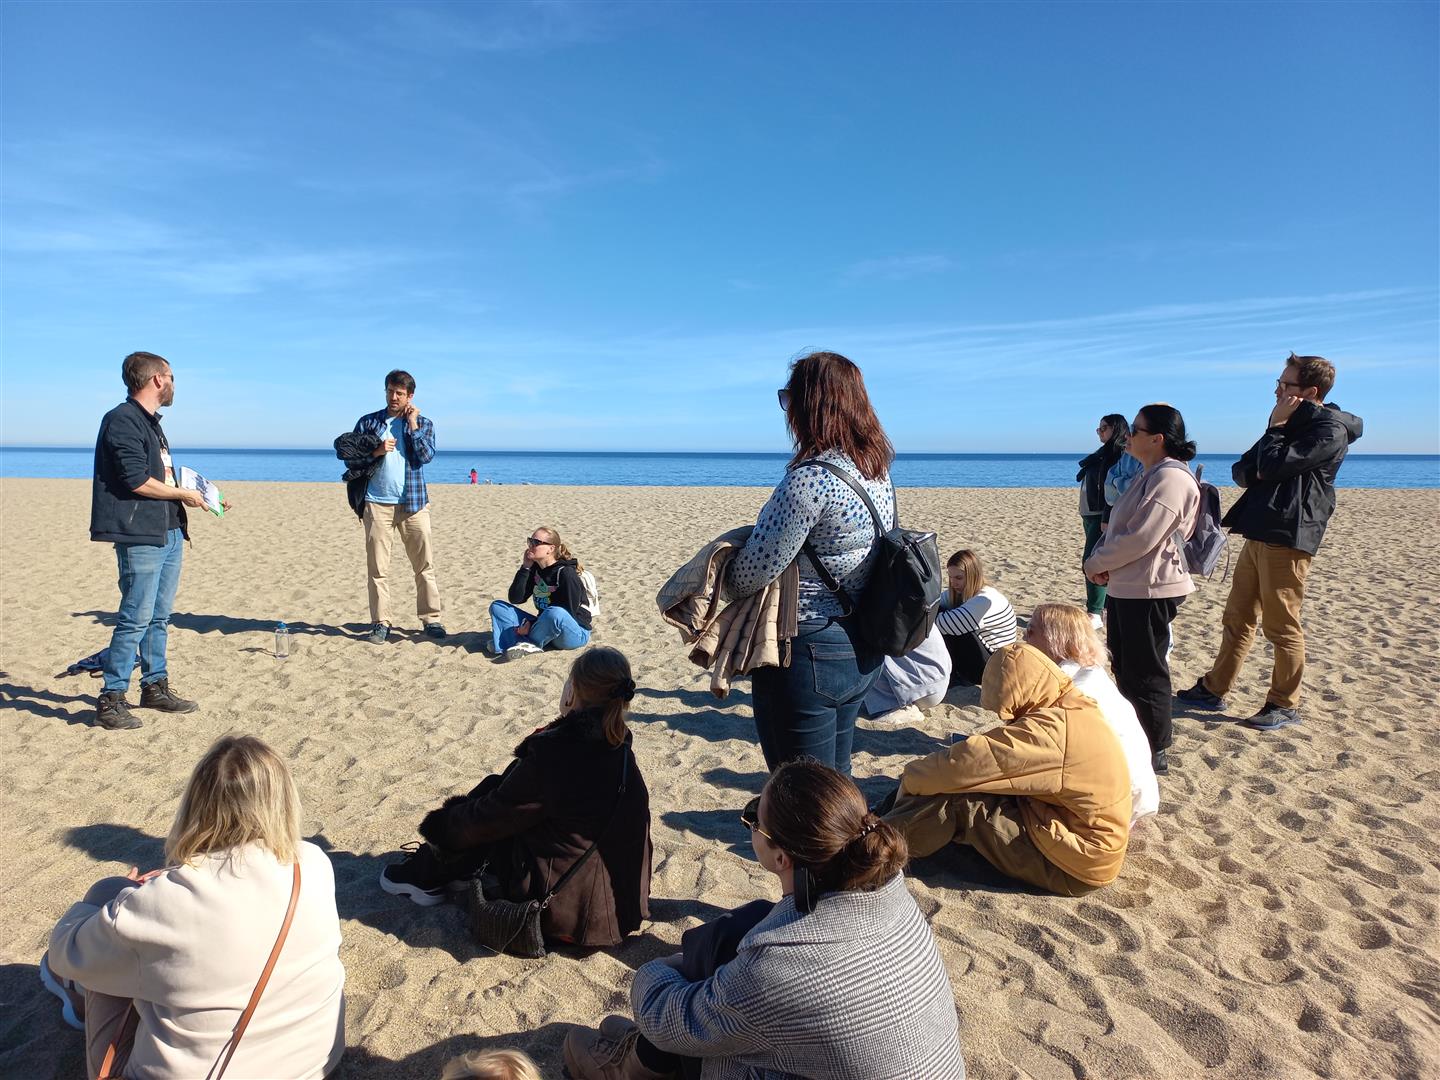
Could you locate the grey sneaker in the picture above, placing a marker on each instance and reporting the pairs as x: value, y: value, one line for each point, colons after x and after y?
x: 1272, y: 717
x: 434, y: 630
x: 1200, y: 697
x: 519, y: 651
x: 112, y: 711
x: 158, y: 695
x: 378, y: 633
x: 72, y: 1002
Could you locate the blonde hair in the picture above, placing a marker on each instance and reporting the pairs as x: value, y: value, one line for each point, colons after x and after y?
x: 241, y: 792
x: 1063, y: 632
x: 491, y: 1065
x: 561, y: 551
x: 973, y: 574
x: 600, y: 678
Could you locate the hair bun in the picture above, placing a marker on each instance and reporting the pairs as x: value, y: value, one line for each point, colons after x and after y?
x: 870, y: 827
x: 624, y: 691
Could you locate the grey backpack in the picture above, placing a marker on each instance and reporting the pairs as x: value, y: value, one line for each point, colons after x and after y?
x: 1208, y: 541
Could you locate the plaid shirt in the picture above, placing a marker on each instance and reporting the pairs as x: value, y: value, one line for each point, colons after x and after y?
x: 418, y: 446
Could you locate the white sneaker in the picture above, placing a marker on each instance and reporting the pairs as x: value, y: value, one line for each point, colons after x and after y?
x: 906, y: 714
x: 520, y: 649
x: 1096, y: 622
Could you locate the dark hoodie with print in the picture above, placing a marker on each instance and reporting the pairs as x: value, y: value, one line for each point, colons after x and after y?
x: 1289, y: 477
x: 557, y: 584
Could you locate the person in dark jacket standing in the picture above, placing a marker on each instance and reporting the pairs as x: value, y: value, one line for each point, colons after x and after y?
x: 573, y: 783
x: 551, y: 574
x: 136, y: 505
x: 1289, y: 482
x: 1113, y: 430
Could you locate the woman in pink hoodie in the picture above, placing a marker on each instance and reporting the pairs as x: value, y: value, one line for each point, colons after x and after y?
x: 1141, y: 560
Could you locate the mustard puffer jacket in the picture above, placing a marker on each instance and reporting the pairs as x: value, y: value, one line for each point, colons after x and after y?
x: 1056, y: 752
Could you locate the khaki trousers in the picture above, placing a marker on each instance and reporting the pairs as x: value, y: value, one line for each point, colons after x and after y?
x: 992, y: 825
x: 1268, y: 588
x: 382, y: 522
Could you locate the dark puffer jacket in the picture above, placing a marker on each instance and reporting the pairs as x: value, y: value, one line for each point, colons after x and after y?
x: 357, y: 451
x: 559, y: 794
x: 1289, y: 478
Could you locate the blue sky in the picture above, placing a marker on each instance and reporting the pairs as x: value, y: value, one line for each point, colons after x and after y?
x: 592, y: 226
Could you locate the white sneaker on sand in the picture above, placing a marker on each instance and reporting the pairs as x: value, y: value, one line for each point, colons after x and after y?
x: 520, y: 649
x: 1096, y: 622
x: 906, y: 714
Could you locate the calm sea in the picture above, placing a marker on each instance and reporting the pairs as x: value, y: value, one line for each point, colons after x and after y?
x: 683, y: 470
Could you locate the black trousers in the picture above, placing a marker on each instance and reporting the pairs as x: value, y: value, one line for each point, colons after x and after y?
x: 968, y: 657
x: 1138, y: 635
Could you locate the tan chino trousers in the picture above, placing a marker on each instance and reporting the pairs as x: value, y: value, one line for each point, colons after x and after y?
x: 382, y: 522
x: 1268, y: 588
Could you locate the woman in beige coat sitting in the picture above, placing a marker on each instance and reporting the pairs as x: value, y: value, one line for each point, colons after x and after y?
x: 162, y: 965
x: 1044, y: 797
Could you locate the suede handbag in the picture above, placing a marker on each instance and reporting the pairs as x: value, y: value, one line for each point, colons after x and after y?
x: 513, y: 926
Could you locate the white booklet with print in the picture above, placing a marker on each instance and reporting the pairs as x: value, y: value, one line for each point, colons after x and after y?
x: 189, y: 478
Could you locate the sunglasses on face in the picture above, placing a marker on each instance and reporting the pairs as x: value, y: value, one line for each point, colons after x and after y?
x: 531, y: 541
x: 750, y: 818
x: 783, y: 396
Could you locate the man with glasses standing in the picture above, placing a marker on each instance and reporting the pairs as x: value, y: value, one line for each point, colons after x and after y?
x: 136, y: 505
x: 396, y: 501
x: 1289, y: 482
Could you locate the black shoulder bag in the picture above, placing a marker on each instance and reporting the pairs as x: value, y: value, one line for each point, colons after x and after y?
x: 513, y: 926
x: 898, y: 607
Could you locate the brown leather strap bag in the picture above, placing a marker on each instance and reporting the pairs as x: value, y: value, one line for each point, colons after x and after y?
x: 132, y: 1018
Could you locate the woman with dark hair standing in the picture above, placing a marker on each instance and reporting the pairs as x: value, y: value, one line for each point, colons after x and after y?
x: 809, y: 708
x: 1142, y: 561
x: 841, y: 979
x: 1094, y: 510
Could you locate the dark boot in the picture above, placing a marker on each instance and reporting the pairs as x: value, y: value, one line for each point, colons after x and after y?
x: 158, y: 695
x: 112, y: 711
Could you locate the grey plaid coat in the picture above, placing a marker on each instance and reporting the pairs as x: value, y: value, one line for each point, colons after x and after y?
x: 855, y: 990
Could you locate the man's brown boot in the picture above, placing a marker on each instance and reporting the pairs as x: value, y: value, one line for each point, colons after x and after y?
x: 113, y: 711
x: 607, y: 1054
x: 158, y: 695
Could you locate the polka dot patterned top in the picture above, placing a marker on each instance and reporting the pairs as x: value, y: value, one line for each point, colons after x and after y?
x: 813, y: 502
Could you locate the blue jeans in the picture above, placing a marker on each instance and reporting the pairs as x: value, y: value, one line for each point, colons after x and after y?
x: 809, y: 708
x: 554, y: 626
x: 149, y: 576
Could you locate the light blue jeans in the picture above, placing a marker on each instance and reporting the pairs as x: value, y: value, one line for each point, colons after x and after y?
x: 149, y: 577
x: 554, y: 627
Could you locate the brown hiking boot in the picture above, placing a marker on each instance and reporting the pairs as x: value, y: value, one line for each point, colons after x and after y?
x: 113, y: 711
x: 607, y: 1054
x: 158, y: 695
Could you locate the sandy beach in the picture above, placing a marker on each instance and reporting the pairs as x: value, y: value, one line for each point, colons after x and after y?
x: 1278, y: 918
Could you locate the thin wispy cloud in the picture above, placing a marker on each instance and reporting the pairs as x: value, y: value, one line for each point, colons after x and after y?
x: 526, y: 27
x: 898, y: 267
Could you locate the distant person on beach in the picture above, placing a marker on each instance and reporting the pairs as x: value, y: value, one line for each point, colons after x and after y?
x: 159, y: 967
x: 1142, y: 561
x: 1288, y: 478
x: 1064, y: 634
x: 1094, y: 510
x: 1044, y: 797
x: 809, y: 708
x: 136, y: 505
x: 573, y: 783
x: 396, y: 501
x: 841, y: 978
x: 975, y: 618
x: 554, y: 577
x: 474, y: 476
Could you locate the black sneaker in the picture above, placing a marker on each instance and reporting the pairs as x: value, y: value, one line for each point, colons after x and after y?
x: 158, y: 695
x: 378, y: 633
x: 1160, y: 762
x: 434, y: 630
x: 1272, y: 717
x: 421, y: 877
x: 112, y: 711
x: 1199, y: 697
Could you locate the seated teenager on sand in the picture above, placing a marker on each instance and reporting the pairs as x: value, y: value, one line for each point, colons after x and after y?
x: 163, y: 964
x: 975, y: 619
x: 1044, y: 797
x: 551, y: 574
x: 1063, y: 633
x: 840, y: 979
x: 573, y: 782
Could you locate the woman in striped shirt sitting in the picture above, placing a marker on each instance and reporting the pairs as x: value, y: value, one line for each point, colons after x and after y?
x: 975, y: 619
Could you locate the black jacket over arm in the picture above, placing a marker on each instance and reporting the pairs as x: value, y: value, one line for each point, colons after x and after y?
x: 127, y: 453
x: 1289, y: 478
x: 357, y: 451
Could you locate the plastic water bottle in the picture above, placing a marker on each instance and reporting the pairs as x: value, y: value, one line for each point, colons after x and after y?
x: 282, y: 641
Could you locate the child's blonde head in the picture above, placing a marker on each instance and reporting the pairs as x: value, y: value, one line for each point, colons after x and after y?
x: 491, y: 1065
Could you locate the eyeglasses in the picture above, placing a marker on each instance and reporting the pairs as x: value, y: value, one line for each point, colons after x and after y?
x: 1281, y: 384
x: 750, y: 818
x: 1141, y: 431
x: 783, y: 396
x: 534, y: 542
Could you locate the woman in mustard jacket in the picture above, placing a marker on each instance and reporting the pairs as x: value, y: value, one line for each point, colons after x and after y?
x: 1044, y: 797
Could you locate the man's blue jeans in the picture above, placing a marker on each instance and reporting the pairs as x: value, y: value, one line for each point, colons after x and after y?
x: 809, y: 708
x: 149, y: 576
x: 554, y: 626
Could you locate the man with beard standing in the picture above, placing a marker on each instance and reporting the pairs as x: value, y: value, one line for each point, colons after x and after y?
x: 136, y: 505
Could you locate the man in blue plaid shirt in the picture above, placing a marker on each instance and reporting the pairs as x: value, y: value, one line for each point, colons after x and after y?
x: 396, y: 502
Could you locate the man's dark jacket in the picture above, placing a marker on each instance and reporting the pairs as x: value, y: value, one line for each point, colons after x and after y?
x: 127, y: 453
x: 357, y: 450
x: 1289, y: 478
x: 536, y: 820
